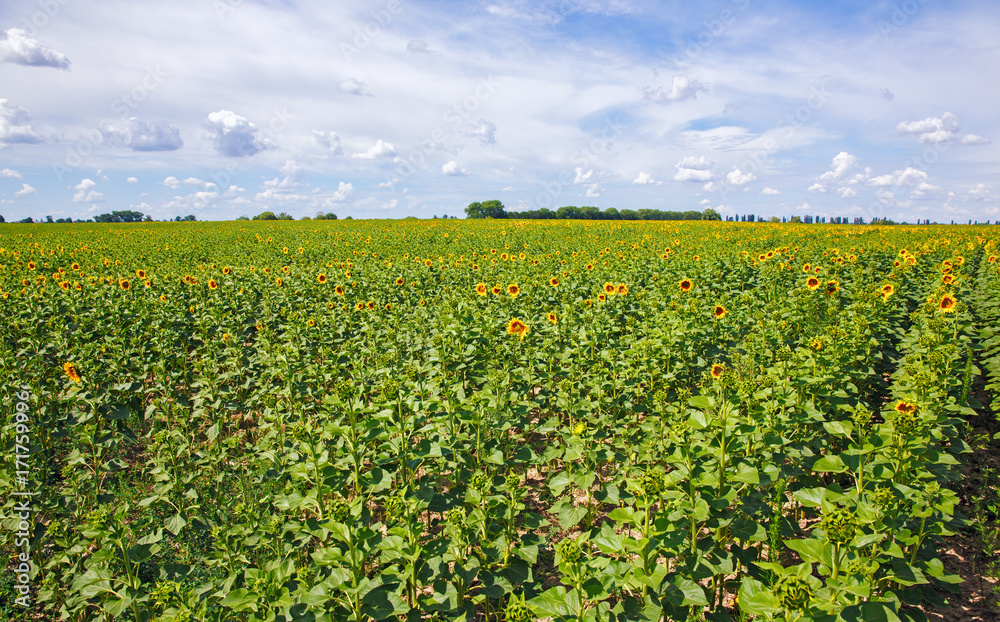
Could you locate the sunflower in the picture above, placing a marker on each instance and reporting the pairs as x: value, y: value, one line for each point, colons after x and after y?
x: 148, y: 284
x: 388, y: 307
x: 311, y: 322
x: 948, y: 302
x: 76, y: 266
x: 552, y: 318
x: 496, y: 290
x: 339, y: 290
x: 589, y: 266
x: 124, y: 284
x: 359, y: 306
x: 371, y: 305
x: 212, y: 284
x: 719, y: 312
x: 686, y: 285
x: 481, y: 289
x: 321, y: 277
x: 588, y: 302
x: 816, y: 344
x: 517, y: 327
x: 602, y: 297
x: 554, y: 282
x: 400, y: 281
x: 513, y: 290
x: 163, y: 297
x: 812, y: 282
x: 226, y: 270
x: 992, y: 259
x: 717, y: 370
x: 622, y: 289
x: 72, y: 372
x: 907, y: 408
x: 64, y: 285
x: 31, y: 265
x: 832, y: 287
x: 610, y: 289
x: 278, y: 281
x: 807, y: 268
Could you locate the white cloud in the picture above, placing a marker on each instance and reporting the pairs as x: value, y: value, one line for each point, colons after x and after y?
x: 85, y: 192
x: 234, y: 136
x: 25, y: 191
x: 132, y: 180
x: 198, y: 183
x: 172, y: 182
x: 581, y: 177
x: 451, y: 168
x: 378, y: 150
x: 17, y: 47
x: 932, y: 129
x: 842, y: 163
x: 817, y: 187
x: 390, y: 183
x: 907, y: 177
x: 693, y: 168
x: 975, y: 139
x: 15, y: 125
x: 507, y: 189
x: 594, y: 190
x: 736, y: 177
x: 981, y: 192
x: 329, y: 141
x: 7, y: 173
x: 681, y: 89
x: 724, y: 137
x: 344, y: 192
x: 645, y: 179
x: 355, y: 87
x: 485, y: 131
x: 770, y: 191
x: 846, y: 192
x: 287, y: 188
x: 141, y: 136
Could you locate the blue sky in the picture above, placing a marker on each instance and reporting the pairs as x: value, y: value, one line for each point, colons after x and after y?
x: 395, y: 108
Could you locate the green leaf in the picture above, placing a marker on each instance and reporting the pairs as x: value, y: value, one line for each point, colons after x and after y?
x: 829, y: 464
x: 810, y: 549
x: 569, y: 516
x: 175, y: 523
x: 240, y: 600
x: 382, y: 604
x: 756, y: 600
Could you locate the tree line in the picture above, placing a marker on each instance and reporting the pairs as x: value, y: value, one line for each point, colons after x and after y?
x: 496, y: 209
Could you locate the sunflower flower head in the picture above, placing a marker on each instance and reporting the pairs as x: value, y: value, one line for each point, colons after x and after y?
x: 72, y: 372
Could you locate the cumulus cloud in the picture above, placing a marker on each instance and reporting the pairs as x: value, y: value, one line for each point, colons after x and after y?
x: 485, y: 131
x: 132, y: 180
x: 85, y: 192
x: 581, y: 177
x: 981, y: 192
x: 285, y: 188
x: 736, y: 177
x: 907, y: 177
x: 344, y: 192
x: 680, y: 90
x: 7, y: 173
x: 234, y: 136
x: 594, y: 190
x: 378, y: 150
x: 932, y: 129
x: 17, y: 47
x: 329, y: 141
x: 693, y: 168
x: 645, y: 179
x: 198, y: 183
x: 15, y: 125
x: 172, y: 182
x: 25, y: 191
x: 451, y: 168
x: 355, y: 87
x: 840, y: 173
x: 770, y: 191
x: 846, y: 192
x: 842, y: 164
x: 975, y: 139
x: 142, y: 136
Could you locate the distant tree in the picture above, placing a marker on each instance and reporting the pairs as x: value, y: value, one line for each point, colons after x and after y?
x: 189, y: 218
x: 710, y: 214
x: 265, y: 216
x: 64, y: 220
x: 774, y: 219
x: 349, y: 218
x: 242, y: 218
x: 306, y: 218
x: 27, y: 220
x: 285, y: 216
x: 486, y: 209
x: 796, y: 220
x: 2, y: 219
x: 331, y: 216
x: 148, y: 218
x: 49, y: 219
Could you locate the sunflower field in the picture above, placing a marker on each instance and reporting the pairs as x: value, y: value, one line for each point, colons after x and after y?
x: 488, y: 420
